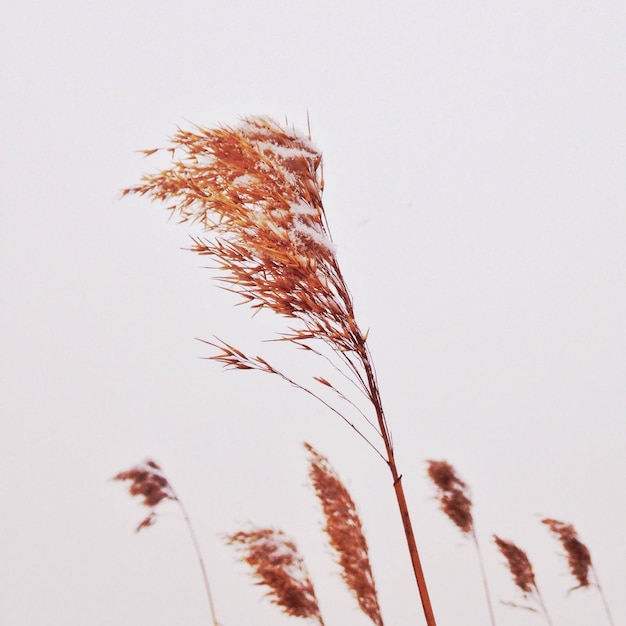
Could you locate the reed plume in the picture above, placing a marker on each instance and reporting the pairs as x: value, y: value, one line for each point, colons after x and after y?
x: 453, y: 495
x: 148, y: 482
x: 578, y: 555
x: 578, y: 558
x: 345, y: 534
x: 523, y: 576
x: 256, y: 191
x: 277, y: 564
x: 455, y: 501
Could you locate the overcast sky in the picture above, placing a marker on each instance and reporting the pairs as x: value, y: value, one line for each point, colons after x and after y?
x: 474, y: 158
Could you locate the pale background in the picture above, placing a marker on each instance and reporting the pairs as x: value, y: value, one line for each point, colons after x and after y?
x: 474, y: 164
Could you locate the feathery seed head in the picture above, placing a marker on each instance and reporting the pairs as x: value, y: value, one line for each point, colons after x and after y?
x: 257, y: 189
x: 453, y: 494
x: 519, y: 565
x: 277, y: 564
x: 147, y: 482
x: 345, y: 533
x: 578, y: 555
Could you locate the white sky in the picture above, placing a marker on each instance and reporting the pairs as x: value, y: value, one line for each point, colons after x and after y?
x: 474, y: 166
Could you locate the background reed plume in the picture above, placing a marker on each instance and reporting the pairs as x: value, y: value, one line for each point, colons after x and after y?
x: 256, y: 191
x: 345, y: 533
x: 277, y: 564
x: 578, y: 558
x: 454, y: 500
x: 523, y: 576
x: 148, y: 482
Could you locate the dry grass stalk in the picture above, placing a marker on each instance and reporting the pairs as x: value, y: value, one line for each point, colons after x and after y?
x: 256, y: 190
x: 277, y: 564
x: 345, y: 534
x: 454, y: 500
x: 148, y: 482
x: 578, y: 557
x: 522, y: 571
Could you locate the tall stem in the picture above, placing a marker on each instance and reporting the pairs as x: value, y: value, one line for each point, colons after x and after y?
x: 205, y: 578
x: 412, y: 545
x: 399, y: 491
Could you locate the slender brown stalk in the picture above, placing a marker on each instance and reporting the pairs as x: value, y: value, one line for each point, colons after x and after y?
x: 523, y: 576
x: 256, y: 190
x: 149, y: 482
x: 345, y: 534
x: 277, y: 564
x: 455, y: 501
x: 578, y: 558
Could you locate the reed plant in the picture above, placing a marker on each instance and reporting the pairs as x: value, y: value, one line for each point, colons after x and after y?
x: 455, y: 501
x: 255, y: 190
x: 148, y: 482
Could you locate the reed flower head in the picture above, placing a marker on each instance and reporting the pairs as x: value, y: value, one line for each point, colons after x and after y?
x: 453, y: 494
x: 523, y: 576
x: 257, y: 188
x: 578, y: 555
x: 519, y: 566
x: 148, y: 482
x: 345, y: 533
x: 277, y: 564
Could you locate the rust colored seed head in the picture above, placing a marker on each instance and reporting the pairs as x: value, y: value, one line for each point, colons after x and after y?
x: 519, y: 565
x: 277, y: 564
x: 453, y: 494
x: 578, y: 555
x: 256, y: 189
x: 345, y: 534
x: 149, y: 483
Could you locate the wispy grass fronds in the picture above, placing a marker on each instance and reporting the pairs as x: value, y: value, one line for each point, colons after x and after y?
x: 345, y: 533
x: 256, y: 191
x: 578, y: 558
x: 277, y: 564
x: 455, y: 501
x: 523, y: 576
x: 148, y: 482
